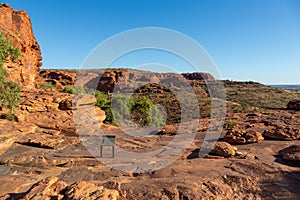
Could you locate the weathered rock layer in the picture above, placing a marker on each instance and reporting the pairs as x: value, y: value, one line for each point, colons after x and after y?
x: 16, y: 26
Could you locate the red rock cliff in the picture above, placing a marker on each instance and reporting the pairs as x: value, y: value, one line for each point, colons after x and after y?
x: 16, y: 26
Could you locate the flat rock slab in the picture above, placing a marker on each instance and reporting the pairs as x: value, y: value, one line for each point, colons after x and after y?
x: 27, y: 156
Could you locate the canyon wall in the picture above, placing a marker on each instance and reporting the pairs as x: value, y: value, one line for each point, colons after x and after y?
x: 16, y: 26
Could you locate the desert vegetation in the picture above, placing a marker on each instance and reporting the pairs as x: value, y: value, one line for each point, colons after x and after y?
x: 122, y: 108
x: 9, y: 90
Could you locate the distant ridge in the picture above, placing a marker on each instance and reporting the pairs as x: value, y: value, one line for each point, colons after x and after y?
x: 286, y: 86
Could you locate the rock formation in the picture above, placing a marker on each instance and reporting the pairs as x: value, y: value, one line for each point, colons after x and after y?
x: 60, y: 78
x: 283, y: 133
x: 239, y: 135
x: 16, y: 26
x: 198, y: 76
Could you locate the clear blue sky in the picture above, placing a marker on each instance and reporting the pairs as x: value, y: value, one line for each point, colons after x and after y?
x: 255, y: 40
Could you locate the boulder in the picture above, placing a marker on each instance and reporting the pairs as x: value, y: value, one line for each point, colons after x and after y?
x: 100, y: 114
x: 294, y: 105
x: 291, y: 153
x: 224, y: 149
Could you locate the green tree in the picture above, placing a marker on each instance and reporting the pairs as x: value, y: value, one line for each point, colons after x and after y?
x: 125, y: 109
x: 9, y: 90
x: 145, y: 113
x: 102, y: 100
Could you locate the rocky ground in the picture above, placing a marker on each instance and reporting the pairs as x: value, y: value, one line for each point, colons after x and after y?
x: 43, y: 157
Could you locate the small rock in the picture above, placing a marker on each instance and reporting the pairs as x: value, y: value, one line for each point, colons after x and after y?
x: 168, y: 130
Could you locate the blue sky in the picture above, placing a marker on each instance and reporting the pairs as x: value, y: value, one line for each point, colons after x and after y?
x: 256, y: 40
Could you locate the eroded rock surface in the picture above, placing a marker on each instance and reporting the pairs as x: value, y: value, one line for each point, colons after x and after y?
x: 283, y: 133
x: 60, y: 78
x: 16, y: 26
x: 52, y: 188
x: 46, y: 145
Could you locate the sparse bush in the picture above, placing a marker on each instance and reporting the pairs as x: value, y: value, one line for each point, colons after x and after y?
x: 102, y: 99
x: 230, y: 123
x: 74, y: 89
x: 47, y: 85
x: 7, y: 51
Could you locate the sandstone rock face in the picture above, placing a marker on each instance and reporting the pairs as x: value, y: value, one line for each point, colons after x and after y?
x: 198, y: 76
x: 109, y: 80
x: 60, y: 78
x: 294, y: 105
x: 16, y: 26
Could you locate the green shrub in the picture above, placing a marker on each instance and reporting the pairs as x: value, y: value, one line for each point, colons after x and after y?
x: 74, y: 89
x: 47, y: 85
x: 230, y: 123
x: 7, y: 51
x: 9, y: 90
x: 102, y: 99
x: 145, y: 113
